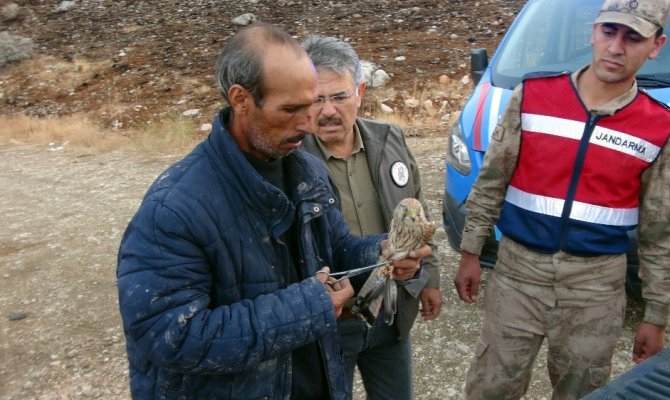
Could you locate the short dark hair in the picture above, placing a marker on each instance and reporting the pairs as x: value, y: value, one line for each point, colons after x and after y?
x: 241, y: 60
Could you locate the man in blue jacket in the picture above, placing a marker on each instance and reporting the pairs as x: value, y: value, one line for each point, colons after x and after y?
x: 218, y: 280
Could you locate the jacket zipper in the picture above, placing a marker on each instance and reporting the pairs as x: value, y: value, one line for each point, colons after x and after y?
x: 574, y: 179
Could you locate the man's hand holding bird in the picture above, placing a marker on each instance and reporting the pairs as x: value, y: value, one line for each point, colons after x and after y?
x: 406, y: 246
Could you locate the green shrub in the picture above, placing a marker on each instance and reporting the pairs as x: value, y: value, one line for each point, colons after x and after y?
x: 14, y: 48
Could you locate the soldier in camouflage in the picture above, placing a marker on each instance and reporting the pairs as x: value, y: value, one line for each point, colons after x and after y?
x: 595, y: 163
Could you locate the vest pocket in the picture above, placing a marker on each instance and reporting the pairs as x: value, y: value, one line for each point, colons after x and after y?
x: 480, y: 347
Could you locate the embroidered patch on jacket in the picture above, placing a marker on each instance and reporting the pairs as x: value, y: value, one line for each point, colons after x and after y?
x: 400, y: 173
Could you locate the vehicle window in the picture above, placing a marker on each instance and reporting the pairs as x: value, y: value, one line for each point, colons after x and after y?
x: 553, y: 36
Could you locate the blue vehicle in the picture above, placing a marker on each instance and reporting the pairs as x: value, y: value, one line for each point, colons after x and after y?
x: 546, y: 36
x: 649, y: 380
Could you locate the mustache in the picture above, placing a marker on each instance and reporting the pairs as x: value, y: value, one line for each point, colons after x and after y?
x: 332, y: 120
x: 295, y: 139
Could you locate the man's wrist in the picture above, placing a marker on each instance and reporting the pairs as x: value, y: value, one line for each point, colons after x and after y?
x: 466, y: 255
x: 656, y: 313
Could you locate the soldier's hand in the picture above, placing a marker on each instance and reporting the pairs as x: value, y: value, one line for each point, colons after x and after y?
x: 649, y: 340
x: 468, y: 277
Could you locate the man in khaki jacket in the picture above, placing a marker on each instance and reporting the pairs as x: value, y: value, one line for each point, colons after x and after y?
x: 373, y: 169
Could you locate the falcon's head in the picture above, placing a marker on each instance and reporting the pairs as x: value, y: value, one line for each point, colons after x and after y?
x: 409, y: 210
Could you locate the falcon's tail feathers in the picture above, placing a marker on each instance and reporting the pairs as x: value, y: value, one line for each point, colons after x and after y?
x: 390, y: 299
x: 369, y: 299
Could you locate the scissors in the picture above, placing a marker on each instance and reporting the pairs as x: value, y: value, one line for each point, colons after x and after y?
x: 353, y: 272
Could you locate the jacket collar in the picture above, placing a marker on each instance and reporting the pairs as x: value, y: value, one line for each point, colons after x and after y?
x: 305, y: 183
x: 615, y: 104
x: 327, y: 154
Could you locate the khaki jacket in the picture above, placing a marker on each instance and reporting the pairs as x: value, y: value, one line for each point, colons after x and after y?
x: 384, y: 145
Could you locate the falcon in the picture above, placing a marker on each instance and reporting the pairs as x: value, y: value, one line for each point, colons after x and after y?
x: 410, y: 230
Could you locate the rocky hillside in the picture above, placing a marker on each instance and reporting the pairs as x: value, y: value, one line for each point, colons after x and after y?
x: 125, y: 62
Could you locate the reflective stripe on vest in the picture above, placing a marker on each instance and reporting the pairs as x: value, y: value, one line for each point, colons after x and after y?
x: 609, y: 138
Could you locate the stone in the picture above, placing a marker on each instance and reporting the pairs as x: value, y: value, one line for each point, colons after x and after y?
x: 9, y: 12
x: 380, y: 78
x: 245, y: 19
x: 16, y: 316
x: 386, y: 109
x: 412, y: 103
x: 191, y: 113
x: 65, y: 6
x: 368, y: 69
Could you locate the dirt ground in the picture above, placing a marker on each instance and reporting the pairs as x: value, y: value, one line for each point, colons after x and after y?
x: 129, y: 62
x: 61, y: 338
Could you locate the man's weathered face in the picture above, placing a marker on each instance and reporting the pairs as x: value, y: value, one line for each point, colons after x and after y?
x: 619, y: 52
x: 277, y: 127
x: 336, y: 108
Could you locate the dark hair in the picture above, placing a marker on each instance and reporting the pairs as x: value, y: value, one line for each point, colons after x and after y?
x: 241, y: 60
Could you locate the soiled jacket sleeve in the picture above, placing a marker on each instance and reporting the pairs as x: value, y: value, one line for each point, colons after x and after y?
x: 165, y: 282
x: 488, y: 193
x: 654, y: 239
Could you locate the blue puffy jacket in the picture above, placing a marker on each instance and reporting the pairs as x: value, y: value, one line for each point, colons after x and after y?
x: 206, y: 307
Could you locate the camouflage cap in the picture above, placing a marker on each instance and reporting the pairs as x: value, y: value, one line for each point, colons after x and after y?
x: 645, y: 16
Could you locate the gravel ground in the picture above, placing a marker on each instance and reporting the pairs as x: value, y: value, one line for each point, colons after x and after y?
x: 63, y: 216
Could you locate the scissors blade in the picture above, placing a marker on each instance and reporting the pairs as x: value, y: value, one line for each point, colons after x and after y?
x: 358, y: 271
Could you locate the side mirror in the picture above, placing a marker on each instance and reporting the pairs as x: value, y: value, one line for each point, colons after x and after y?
x: 479, y: 60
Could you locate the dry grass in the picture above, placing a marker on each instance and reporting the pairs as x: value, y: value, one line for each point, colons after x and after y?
x: 79, y: 135
x: 75, y: 131
x: 176, y: 134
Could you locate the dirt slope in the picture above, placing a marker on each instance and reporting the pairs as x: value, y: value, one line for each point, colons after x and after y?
x: 126, y: 62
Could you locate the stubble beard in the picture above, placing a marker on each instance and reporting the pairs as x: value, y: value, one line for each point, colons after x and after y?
x: 260, y: 143
x: 612, y: 77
